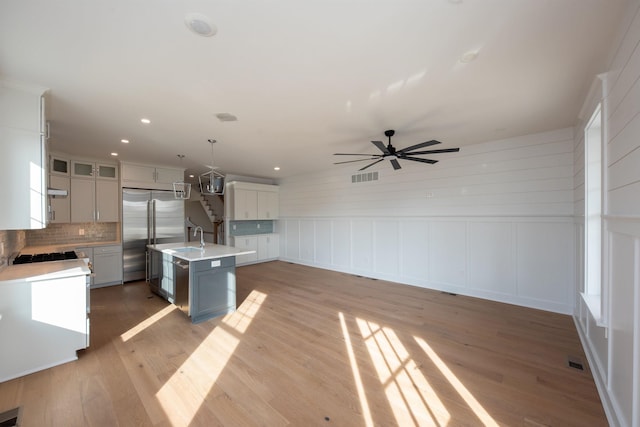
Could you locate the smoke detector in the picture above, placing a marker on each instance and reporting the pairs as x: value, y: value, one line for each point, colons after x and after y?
x: 200, y: 24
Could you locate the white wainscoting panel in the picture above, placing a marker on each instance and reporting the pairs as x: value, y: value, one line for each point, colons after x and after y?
x: 493, y: 270
x: 544, y: 251
x: 362, y: 245
x: 323, y: 242
x: 386, y: 248
x: 448, y: 257
x: 525, y: 261
x: 341, y: 244
x: 307, y: 240
x: 414, y: 251
x: 621, y: 324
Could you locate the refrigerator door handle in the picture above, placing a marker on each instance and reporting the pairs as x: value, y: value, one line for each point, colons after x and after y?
x: 149, y: 222
x: 154, y: 221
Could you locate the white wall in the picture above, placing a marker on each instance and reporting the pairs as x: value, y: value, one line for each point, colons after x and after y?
x: 494, y: 221
x: 614, y: 349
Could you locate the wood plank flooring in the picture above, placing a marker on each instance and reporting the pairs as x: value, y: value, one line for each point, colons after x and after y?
x: 311, y: 347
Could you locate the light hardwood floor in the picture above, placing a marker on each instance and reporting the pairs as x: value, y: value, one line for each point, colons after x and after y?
x: 311, y: 347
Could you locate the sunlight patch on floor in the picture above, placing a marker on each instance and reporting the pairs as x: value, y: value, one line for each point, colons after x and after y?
x: 411, y: 397
x: 466, y: 395
x: 147, y: 322
x: 241, y: 319
x: 182, y: 395
x: 366, y: 412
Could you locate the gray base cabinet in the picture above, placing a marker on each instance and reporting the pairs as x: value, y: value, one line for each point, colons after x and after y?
x: 213, y: 288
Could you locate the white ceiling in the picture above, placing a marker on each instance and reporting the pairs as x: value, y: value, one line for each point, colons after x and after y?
x: 305, y: 78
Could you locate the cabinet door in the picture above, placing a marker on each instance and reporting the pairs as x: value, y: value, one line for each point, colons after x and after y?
x: 82, y: 169
x: 59, y: 166
x: 138, y: 173
x: 82, y: 200
x: 249, y: 243
x: 168, y: 176
x: 107, y: 265
x: 213, y: 288
x: 104, y: 171
x: 267, y: 205
x: 107, y: 201
x: 268, y: 246
x: 60, y: 207
x: 23, y: 161
x: 87, y: 252
x: 245, y: 204
x: 273, y: 246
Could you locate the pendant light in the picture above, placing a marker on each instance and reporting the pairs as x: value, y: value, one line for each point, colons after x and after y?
x: 181, y: 189
x: 211, y: 182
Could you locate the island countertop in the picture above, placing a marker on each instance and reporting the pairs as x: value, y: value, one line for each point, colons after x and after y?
x: 191, y: 251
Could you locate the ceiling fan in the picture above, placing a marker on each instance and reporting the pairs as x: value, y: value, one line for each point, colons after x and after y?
x: 389, y: 151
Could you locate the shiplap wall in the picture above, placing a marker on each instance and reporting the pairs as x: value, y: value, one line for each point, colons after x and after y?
x: 493, y: 221
x: 614, y: 349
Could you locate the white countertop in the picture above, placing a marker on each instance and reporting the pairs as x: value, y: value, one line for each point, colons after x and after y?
x: 210, y: 250
x: 44, y: 270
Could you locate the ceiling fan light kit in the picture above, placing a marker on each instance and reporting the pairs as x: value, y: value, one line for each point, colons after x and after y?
x: 393, y: 155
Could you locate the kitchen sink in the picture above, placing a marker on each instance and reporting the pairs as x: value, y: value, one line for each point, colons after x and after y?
x: 188, y: 249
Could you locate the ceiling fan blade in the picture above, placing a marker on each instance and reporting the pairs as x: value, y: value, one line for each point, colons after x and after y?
x: 381, y: 146
x: 354, y: 154
x: 421, y: 145
x: 377, y: 161
x: 395, y: 164
x: 444, y: 150
x: 418, y: 159
x: 351, y: 161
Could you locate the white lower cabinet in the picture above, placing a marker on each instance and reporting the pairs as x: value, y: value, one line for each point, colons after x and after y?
x: 107, y: 264
x: 267, y: 247
x: 247, y: 243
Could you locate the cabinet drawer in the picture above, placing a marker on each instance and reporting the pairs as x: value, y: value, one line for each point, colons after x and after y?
x: 208, y: 264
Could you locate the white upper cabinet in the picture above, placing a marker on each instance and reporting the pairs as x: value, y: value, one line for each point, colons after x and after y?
x: 249, y: 201
x: 146, y: 176
x: 60, y: 206
x: 85, y: 169
x: 23, y: 164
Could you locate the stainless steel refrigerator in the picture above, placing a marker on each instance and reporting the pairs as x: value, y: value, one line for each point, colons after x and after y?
x: 148, y: 217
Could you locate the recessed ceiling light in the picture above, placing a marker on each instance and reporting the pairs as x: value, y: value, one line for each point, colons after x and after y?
x: 145, y: 121
x: 469, y: 56
x: 277, y: 168
x: 200, y: 24
x: 114, y: 154
x: 192, y: 176
x: 124, y: 141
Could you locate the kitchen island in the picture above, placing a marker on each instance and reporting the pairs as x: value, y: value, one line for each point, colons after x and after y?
x: 201, y: 281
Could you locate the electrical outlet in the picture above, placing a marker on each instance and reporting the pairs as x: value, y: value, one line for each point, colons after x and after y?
x: 234, y: 226
x: 258, y: 226
x: 429, y: 194
x: 81, y: 232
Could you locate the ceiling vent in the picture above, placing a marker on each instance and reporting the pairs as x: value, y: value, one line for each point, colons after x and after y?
x: 226, y: 117
x: 364, y: 177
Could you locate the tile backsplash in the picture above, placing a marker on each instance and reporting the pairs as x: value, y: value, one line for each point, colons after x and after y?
x: 89, y: 232
x: 11, y: 241
x: 245, y: 228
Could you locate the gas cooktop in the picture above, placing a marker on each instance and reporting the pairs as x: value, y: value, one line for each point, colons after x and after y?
x: 54, y: 256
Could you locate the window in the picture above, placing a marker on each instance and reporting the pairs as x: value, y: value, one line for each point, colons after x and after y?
x: 593, y: 142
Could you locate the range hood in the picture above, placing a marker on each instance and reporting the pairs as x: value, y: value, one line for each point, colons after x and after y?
x: 56, y: 192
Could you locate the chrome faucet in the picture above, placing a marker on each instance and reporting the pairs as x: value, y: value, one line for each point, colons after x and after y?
x: 195, y: 232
